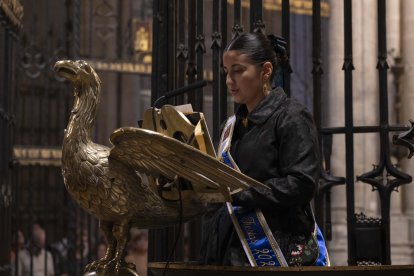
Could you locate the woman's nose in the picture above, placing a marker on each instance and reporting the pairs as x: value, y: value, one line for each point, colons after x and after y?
x: 229, y: 80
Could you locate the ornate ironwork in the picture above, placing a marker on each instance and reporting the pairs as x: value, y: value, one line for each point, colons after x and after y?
x: 302, y: 7
x: 368, y: 263
x: 379, y: 177
x: 259, y: 26
x: 7, y: 117
x: 182, y: 51
x: 105, y: 20
x: 33, y: 61
x: 406, y: 139
x: 216, y: 40
x: 11, y: 13
x: 236, y: 30
x: 200, y: 45
x: 6, y: 196
x: 362, y: 220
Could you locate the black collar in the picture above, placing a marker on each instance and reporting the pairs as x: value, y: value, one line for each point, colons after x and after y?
x: 265, y: 108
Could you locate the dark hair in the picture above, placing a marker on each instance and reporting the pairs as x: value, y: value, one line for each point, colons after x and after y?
x: 257, y: 47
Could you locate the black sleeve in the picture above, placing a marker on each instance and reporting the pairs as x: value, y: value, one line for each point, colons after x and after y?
x: 298, y: 165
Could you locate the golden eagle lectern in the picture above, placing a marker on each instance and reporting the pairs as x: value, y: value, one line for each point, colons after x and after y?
x: 111, y: 183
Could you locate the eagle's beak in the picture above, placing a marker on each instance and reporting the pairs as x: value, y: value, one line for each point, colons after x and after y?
x: 66, y: 69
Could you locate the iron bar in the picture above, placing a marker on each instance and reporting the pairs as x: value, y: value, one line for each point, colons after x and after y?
x: 90, y: 28
x: 171, y: 47
x: 191, y: 38
x: 237, y: 25
x: 158, y: 16
x: 159, y: 81
x: 182, y: 50
x: 223, y: 86
x: 348, y: 67
x: 31, y: 212
x: 176, y: 68
x: 200, y: 49
x: 76, y: 29
x: 317, y: 73
x: 382, y: 67
x: 256, y: 21
x: 163, y: 63
x: 156, y: 51
x: 286, y: 36
x: 216, y: 45
x: 119, y: 50
x: 5, y: 130
x: 3, y: 91
x: 237, y: 29
x: 361, y: 129
x: 317, y: 64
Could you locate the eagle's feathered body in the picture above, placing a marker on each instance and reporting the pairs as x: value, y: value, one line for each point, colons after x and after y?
x: 106, y: 188
x: 105, y: 181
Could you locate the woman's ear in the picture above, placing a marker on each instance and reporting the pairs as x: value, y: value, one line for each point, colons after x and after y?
x: 267, y: 68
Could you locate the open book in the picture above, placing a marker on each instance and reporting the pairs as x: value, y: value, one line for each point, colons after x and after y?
x: 174, y: 148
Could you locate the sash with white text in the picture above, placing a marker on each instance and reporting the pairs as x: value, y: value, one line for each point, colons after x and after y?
x: 255, y: 235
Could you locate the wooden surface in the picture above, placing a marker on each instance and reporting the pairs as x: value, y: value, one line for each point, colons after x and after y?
x: 182, y: 269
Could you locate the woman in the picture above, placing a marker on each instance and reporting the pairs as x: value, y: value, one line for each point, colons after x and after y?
x: 273, y: 140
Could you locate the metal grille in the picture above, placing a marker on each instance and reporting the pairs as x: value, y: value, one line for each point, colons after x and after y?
x: 102, y: 32
x: 10, y: 25
x: 165, y: 74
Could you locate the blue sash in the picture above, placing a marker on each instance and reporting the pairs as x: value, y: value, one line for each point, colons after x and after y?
x: 323, y: 256
x: 255, y: 235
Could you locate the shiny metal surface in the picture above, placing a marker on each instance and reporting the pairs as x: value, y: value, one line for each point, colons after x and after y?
x: 110, y: 183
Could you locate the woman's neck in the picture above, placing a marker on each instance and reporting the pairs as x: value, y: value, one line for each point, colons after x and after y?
x: 254, y: 102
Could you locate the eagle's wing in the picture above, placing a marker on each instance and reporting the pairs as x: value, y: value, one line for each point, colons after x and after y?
x: 155, y: 154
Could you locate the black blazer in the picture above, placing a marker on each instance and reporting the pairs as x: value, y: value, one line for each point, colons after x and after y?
x: 279, y: 147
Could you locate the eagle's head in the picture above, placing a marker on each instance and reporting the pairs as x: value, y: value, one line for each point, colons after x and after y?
x: 78, y: 72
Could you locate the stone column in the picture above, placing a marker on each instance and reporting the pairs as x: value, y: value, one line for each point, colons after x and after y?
x: 407, y: 92
x: 338, y: 245
x: 366, y: 100
x: 400, y: 249
x: 406, y: 113
x: 366, y: 112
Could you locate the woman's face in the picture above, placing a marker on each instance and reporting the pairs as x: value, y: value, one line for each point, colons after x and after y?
x: 244, y: 79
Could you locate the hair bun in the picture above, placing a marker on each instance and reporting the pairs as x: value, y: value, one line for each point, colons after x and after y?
x: 279, y: 45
